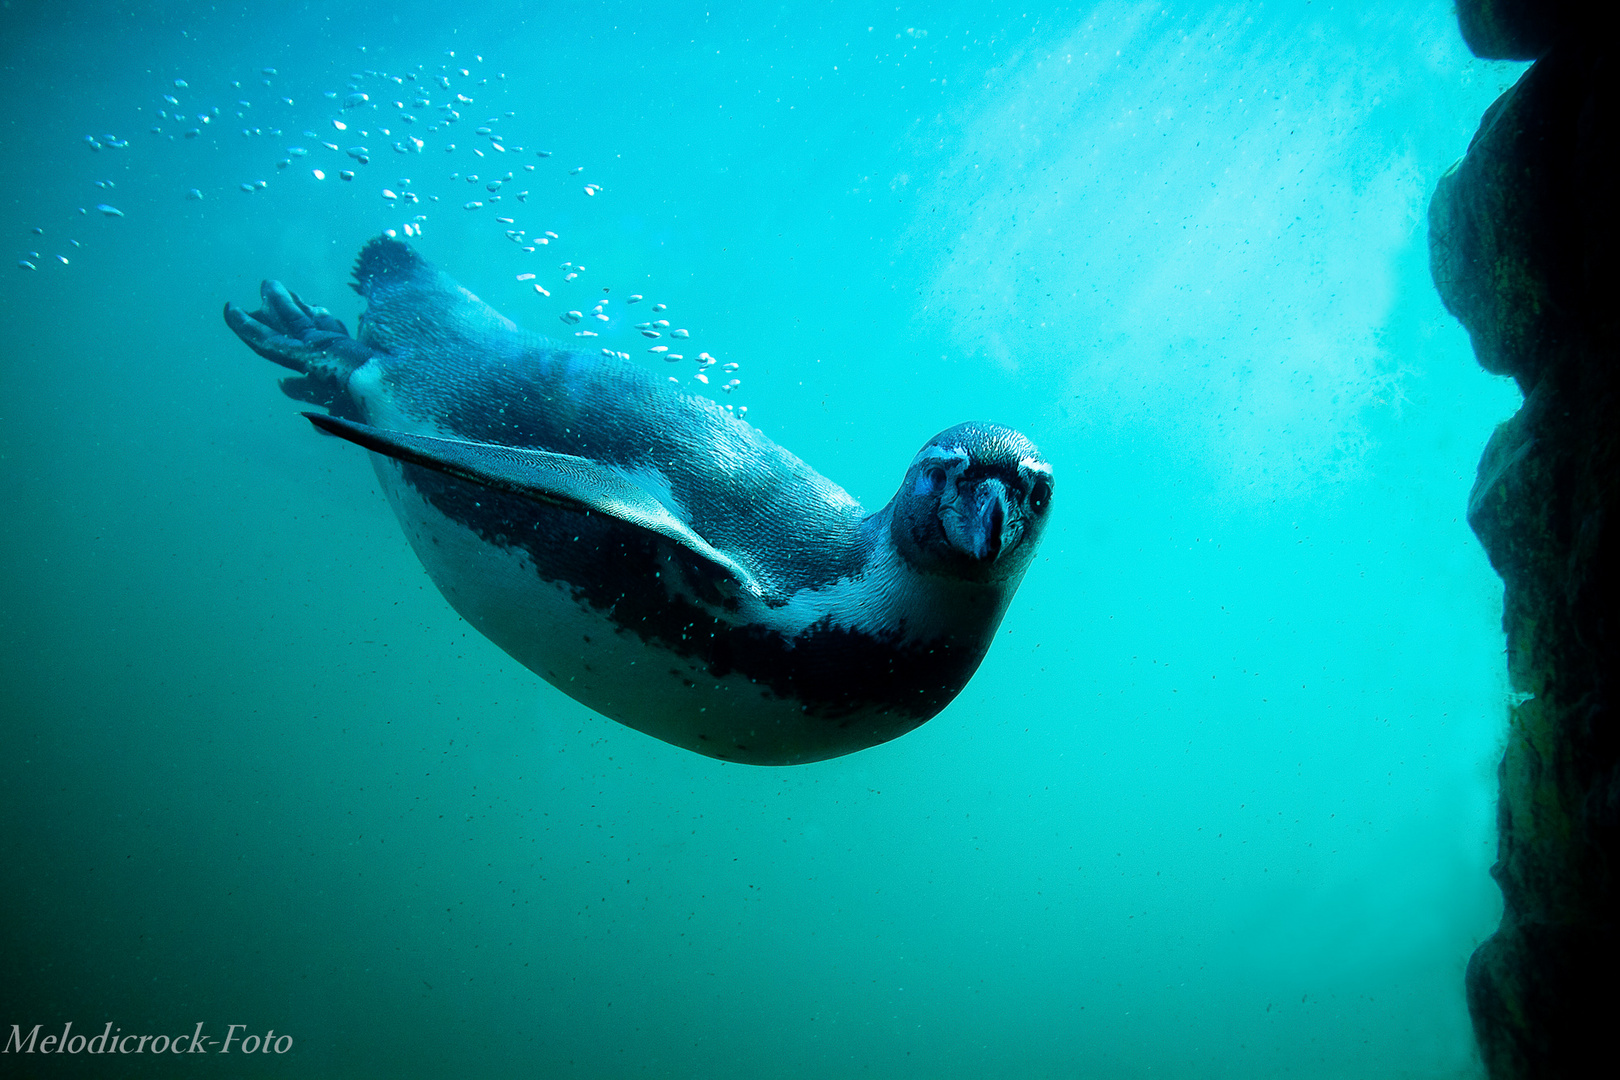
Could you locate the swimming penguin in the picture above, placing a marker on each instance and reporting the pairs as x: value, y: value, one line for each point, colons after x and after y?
x: 647, y: 553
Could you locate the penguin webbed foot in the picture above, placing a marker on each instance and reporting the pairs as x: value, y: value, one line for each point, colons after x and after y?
x: 310, y: 340
x: 287, y: 331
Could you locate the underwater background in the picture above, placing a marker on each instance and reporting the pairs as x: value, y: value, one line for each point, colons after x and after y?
x: 1218, y: 803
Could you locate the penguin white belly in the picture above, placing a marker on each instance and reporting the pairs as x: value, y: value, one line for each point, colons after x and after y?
x: 578, y: 648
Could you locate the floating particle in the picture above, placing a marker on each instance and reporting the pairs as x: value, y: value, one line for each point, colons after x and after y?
x: 389, y: 195
x: 484, y: 131
x: 650, y: 334
x: 576, y: 170
x: 331, y: 95
x: 660, y: 307
x: 570, y: 277
x: 297, y: 151
x: 551, y: 234
x: 416, y: 144
x: 525, y: 277
x: 732, y: 385
x: 193, y: 193
x: 330, y: 145
x: 493, y: 186
x: 659, y: 349
x: 192, y: 133
x: 591, y: 189
x: 244, y: 104
x: 346, y: 174
x: 600, y: 316
x: 171, y: 99
x: 283, y: 163
x: 585, y: 333
x: 728, y: 368
x: 570, y: 317
x: 742, y: 410
x: 318, y: 174
x: 705, y: 358
x: 90, y: 141
x: 673, y: 357
x: 249, y: 188
x: 354, y: 100
x: 268, y: 73
x: 633, y: 298
x: 702, y: 378
x: 109, y: 211
x: 474, y: 205
x: 504, y: 220
x: 662, y: 324
x: 523, y: 196
x: 340, y: 125
x: 359, y: 153
x: 540, y: 289
x: 679, y: 333
x: 605, y: 352
x: 24, y: 264
x: 180, y: 84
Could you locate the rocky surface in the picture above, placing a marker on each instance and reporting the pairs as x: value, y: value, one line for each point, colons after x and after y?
x: 1524, y: 243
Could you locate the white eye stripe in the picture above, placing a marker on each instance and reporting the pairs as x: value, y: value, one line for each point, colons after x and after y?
x: 935, y: 455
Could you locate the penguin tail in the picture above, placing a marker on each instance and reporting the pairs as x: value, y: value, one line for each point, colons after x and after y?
x: 309, y: 340
x: 385, y: 261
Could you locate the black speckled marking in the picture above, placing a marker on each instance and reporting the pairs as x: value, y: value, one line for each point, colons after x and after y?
x: 834, y: 673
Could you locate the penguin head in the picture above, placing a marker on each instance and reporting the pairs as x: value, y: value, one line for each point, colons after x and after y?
x: 973, y: 505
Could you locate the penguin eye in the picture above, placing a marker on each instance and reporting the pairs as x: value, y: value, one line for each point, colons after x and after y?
x: 1040, y: 495
x: 936, y: 480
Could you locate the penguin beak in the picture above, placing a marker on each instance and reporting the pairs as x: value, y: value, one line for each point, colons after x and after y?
x: 987, y: 522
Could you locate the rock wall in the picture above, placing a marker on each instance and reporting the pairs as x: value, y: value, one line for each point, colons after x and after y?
x: 1524, y: 236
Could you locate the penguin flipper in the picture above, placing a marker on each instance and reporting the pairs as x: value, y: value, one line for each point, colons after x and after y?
x: 561, y: 480
x: 309, y: 340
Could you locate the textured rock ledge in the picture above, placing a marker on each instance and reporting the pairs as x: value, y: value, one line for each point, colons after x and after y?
x: 1524, y: 238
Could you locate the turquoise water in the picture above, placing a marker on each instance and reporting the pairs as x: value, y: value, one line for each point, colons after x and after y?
x: 1218, y: 803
